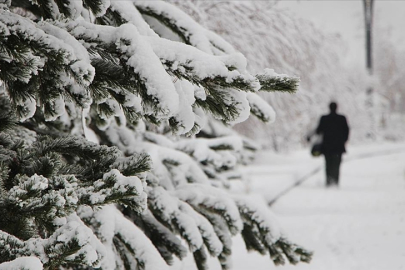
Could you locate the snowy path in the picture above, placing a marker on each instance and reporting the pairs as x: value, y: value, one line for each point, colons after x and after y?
x: 359, y: 226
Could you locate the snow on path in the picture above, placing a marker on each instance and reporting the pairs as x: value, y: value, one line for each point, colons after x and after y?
x: 359, y: 226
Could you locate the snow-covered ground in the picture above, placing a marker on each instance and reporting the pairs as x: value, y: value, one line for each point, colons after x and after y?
x: 360, y: 225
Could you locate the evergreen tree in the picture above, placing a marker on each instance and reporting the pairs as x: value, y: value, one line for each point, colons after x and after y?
x: 100, y: 164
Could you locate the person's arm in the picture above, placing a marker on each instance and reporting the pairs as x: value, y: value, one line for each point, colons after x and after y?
x: 320, y: 129
x: 310, y: 134
x: 313, y: 132
x: 345, y: 129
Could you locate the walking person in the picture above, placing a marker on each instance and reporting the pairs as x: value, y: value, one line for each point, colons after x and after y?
x: 335, y: 132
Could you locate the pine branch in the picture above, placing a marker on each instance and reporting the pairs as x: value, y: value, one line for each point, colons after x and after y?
x: 213, y: 200
x: 272, y: 82
x: 252, y: 240
x: 200, y: 258
x: 10, y: 247
x: 166, y: 20
x: 111, y: 17
x: 133, y: 165
x: 74, y: 146
x: 173, y: 217
x: 187, y: 29
x: 216, y: 104
x: 222, y: 231
x: 114, y: 187
x: 7, y: 119
x: 109, y: 75
x: 261, y: 235
x: 138, y: 78
x: 48, y: 62
x: 164, y: 240
x: 97, y: 7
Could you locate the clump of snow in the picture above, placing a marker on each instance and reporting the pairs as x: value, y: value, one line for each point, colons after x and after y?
x: 29, y: 106
x: 202, y: 150
x: 197, y: 35
x: 123, y: 182
x: 203, y: 65
x: 23, y: 263
x: 158, y: 139
x: 82, y: 67
x: 149, y: 67
x: 128, y: 11
x: 185, y: 115
x: 75, y: 7
x: 112, y: 225
x: 212, y: 198
x: 199, y: 93
x: 101, y: 189
x: 238, y: 99
x: 74, y: 231
x: 271, y: 73
x: 261, y: 216
x: 132, y: 100
x: 58, y: 106
x: 170, y: 208
x: 236, y: 60
x: 140, y: 57
x: 103, y: 6
x: 89, y: 134
x: 261, y: 107
x: 210, y: 238
x: 32, y: 184
x: 185, y: 169
x: 145, y: 252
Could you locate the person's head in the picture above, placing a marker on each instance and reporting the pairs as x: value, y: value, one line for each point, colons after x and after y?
x: 333, y: 107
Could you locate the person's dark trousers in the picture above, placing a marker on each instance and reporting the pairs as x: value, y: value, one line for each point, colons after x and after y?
x: 332, y: 168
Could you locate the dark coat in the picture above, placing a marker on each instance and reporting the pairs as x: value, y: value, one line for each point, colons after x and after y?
x: 335, y: 133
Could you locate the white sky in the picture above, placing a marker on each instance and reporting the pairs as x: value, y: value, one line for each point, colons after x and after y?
x: 347, y: 19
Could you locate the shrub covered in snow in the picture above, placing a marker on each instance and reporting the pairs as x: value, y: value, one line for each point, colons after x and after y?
x: 100, y: 164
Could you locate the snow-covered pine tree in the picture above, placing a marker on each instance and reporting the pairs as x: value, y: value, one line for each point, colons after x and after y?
x: 146, y: 189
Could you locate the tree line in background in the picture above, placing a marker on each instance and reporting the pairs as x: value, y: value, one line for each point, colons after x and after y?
x: 271, y: 36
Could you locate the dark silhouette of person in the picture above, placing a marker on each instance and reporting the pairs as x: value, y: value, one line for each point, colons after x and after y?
x: 335, y: 131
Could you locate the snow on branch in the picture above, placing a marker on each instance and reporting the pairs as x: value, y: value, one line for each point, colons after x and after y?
x: 170, y: 211
x: 134, y: 240
x: 175, y: 166
x: 155, y: 86
x: 262, y: 233
x: 54, y: 69
x: 165, y: 240
x: 71, y: 242
x: 215, y: 156
x: 260, y: 108
x: 23, y: 263
x: 115, y: 187
x: 270, y: 81
x: 215, y: 199
x: 127, y: 12
x: 184, y: 26
x: 204, y: 69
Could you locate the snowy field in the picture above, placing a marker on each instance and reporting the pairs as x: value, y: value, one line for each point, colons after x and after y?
x: 360, y: 225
